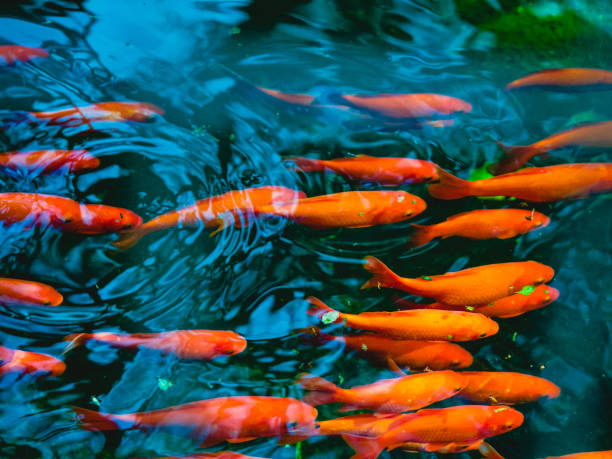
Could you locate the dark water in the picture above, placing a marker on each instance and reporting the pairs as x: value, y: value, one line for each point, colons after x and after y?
x: 197, y: 59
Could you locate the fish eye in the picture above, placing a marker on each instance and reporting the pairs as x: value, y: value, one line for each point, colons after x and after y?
x: 482, y: 335
x: 508, y: 425
x: 457, y: 389
x: 528, y: 217
x: 409, y: 213
x: 291, y: 425
x: 128, y: 226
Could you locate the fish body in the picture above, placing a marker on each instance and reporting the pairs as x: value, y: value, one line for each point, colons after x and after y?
x: 563, y: 78
x: 17, y: 291
x: 219, y: 455
x: 536, y: 184
x: 394, y: 395
x: 506, y: 387
x: 187, y: 344
x: 472, y: 286
x: 588, y: 455
x: 101, y: 111
x: 64, y: 214
x: 16, y: 361
x: 48, y: 161
x: 13, y: 53
x: 349, y: 209
x: 364, y: 168
x: 481, y: 224
x: 209, y: 212
x: 212, y: 421
x: 588, y: 135
x: 417, y: 324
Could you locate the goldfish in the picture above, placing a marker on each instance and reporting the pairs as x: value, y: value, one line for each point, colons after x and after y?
x: 563, y: 78
x: 394, y: 395
x: 208, y: 212
x: 186, y: 344
x: 299, y: 99
x: 64, y: 214
x: 526, y: 300
x: 472, y: 286
x: 506, y: 387
x: 412, y: 354
x: 17, y: 291
x: 364, y: 168
x: 421, y: 324
x: 212, y: 421
x: 101, y: 111
x: 459, y: 424
x: 349, y: 209
x: 219, y: 455
x: 588, y: 135
x: 13, y: 53
x: 481, y: 224
x: 537, y: 184
x: 16, y: 361
x: 589, y: 455
x: 48, y: 161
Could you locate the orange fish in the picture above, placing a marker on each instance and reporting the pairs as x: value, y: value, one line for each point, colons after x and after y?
x: 411, y: 354
x: 13, y: 53
x: 465, y: 424
x: 292, y: 98
x: 16, y: 291
x: 506, y: 387
x: 509, y: 306
x: 16, y: 361
x: 65, y: 214
x: 395, y: 395
x: 349, y: 209
x: 472, y: 286
x: 47, y: 161
x: 537, y: 184
x: 364, y: 168
x: 589, y: 455
x: 421, y: 324
x: 481, y: 224
x: 219, y: 455
x: 588, y: 135
x: 209, y: 212
x: 563, y: 78
x: 212, y: 421
x: 186, y: 344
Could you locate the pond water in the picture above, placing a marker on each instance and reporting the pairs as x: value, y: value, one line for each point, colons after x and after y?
x: 200, y: 62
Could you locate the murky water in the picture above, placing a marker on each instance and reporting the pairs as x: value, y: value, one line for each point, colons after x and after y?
x: 199, y: 60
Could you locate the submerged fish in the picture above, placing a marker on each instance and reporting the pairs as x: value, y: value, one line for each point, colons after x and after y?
x: 48, y: 161
x: 209, y: 212
x: 537, y: 184
x: 589, y: 135
x: 563, y: 78
x: 472, y: 286
x: 421, y: 324
x: 394, y: 395
x: 16, y: 361
x: 219, y: 455
x: 17, y: 291
x: 588, y: 455
x: 506, y: 387
x: 292, y: 98
x: 212, y: 421
x: 481, y: 224
x: 386, y: 171
x: 101, y: 111
x: 64, y: 214
x: 13, y: 53
x: 187, y: 344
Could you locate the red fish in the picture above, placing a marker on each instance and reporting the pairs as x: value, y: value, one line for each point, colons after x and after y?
x: 537, y: 184
x: 481, y: 224
x: 509, y: 306
x: 101, y: 111
x: 349, y: 209
x: 506, y: 387
x: 47, y: 161
x: 292, y: 98
x: 421, y: 324
x: 16, y: 361
x: 394, y: 395
x: 364, y: 168
x: 219, y: 455
x: 186, y: 344
x: 588, y: 135
x: 563, y: 78
x: 472, y: 286
x: 212, y: 421
x: 209, y: 212
x: 411, y: 354
x: 65, y: 214
x: 16, y: 291
x: 13, y: 53
x: 589, y: 455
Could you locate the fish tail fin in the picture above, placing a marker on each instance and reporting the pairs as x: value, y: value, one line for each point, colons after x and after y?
x: 422, y: 235
x: 128, y: 238
x: 488, y: 451
x: 322, y: 391
x: 515, y: 156
x: 319, y: 309
x: 450, y: 187
x: 93, y: 420
x: 365, y: 447
x: 382, y: 275
x: 75, y: 340
x: 306, y: 164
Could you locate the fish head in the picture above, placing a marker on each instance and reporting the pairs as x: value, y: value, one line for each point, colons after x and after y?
x: 98, y: 218
x: 546, y: 295
x: 230, y: 344
x: 300, y: 417
x: 33, y: 362
x: 83, y: 160
x: 539, y: 272
x: 502, y: 419
x: 401, y: 206
x: 460, y: 358
x: 140, y: 111
x: 458, y: 105
x: 536, y: 220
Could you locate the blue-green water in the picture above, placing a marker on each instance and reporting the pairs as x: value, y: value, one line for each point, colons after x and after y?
x: 197, y: 60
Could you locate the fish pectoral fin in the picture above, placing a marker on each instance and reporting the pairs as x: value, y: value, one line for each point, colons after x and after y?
x: 221, y: 225
x: 488, y: 451
x: 394, y: 367
x: 507, y: 234
x: 240, y: 439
